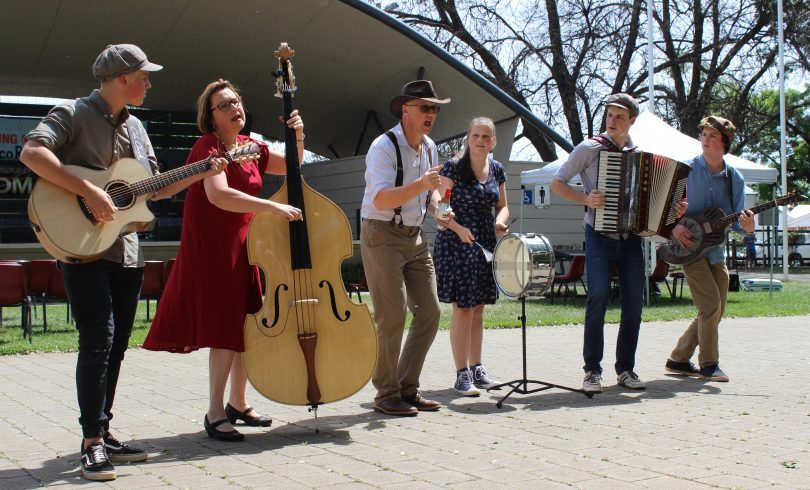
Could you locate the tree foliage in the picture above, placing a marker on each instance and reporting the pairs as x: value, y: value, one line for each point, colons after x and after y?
x: 762, y: 140
x: 562, y: 58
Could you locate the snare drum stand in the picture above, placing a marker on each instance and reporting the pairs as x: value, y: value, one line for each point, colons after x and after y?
x: 521, y: 386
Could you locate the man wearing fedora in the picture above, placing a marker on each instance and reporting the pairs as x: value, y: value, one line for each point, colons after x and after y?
x: 95, y: 132
x: 402, y: 175
x: 606, y: 252
x: 712, y: 183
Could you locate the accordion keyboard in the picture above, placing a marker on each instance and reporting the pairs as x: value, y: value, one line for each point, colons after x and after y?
x: 609, y: 182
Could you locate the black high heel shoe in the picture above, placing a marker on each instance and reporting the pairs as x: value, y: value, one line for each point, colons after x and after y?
x: 230, y: 436
x: 234, y: 415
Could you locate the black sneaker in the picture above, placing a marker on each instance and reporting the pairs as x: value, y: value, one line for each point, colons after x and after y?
x: 95, y: 465
x: 682, y: 368
x: 712, y: 372
x: 118, y: 452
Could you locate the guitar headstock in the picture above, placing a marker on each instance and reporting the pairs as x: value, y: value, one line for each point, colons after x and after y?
x: 242, y: 153
x: 285, y: 80
x: 790, y: 199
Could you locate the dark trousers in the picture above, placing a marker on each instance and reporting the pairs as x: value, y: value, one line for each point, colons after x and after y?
x: 103, y: 297
x: 602, y: 255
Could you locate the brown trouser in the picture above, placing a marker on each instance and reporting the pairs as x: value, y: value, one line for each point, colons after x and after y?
x: 709, y: 286
x: 399, y: 272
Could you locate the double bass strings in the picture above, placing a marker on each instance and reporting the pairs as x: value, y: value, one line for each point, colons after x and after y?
x: 303, y: 301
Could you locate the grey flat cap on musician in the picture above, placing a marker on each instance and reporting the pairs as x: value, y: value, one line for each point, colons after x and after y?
x: 120, y: 59
x: 625, y: 101
x: 418, y: 89
x: 721, y: 124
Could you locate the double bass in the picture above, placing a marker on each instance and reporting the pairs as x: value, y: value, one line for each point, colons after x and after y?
x: 310, y: 343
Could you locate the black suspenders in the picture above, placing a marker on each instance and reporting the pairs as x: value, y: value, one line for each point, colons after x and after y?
x: 398, y: 181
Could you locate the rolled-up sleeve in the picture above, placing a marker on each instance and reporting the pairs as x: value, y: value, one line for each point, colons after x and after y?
x: 55, y: 129
x: 575, y: 164
x: 381, y: 172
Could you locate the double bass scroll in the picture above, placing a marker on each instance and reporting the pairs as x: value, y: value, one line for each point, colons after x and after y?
x: 309, y: 343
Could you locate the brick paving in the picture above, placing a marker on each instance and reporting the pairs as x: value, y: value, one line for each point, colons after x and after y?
x: 753, y: 432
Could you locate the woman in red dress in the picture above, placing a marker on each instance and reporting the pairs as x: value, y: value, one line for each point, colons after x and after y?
x: 212, y: 286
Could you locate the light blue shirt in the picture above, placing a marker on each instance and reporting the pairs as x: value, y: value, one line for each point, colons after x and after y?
x: 706, y: 190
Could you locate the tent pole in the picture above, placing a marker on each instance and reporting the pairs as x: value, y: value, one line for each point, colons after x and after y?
x: 782, y: 124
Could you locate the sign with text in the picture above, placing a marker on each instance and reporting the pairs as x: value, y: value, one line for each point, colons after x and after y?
x: 12, y: 132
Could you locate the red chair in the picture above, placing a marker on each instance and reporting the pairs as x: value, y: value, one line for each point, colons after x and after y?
x: 658, y: 275
x: 56, y: 292
x: 14, y: 292
x: 677, y: 277
x: 573, y: 275
x: 152, y: 286
x: 358, y: 287
x: 167, y: 270
x: 41, y: 271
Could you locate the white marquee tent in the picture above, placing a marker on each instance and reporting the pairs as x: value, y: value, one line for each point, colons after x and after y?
x: 652, y: 134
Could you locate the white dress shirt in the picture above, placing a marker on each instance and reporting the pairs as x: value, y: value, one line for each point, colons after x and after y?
x: 381, y: 173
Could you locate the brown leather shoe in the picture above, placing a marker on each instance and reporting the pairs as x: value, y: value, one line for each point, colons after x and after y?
x: 421, y: 403
x: 395, y: 406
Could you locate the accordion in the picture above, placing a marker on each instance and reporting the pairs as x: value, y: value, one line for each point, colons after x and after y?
x: 641, y: 192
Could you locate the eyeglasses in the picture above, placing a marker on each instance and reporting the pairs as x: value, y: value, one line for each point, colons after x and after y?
x: 225, y: 105
x: 426, y: 109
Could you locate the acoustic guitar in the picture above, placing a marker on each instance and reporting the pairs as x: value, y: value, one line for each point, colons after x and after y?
x: 67, y: 229
x: 710, y: 228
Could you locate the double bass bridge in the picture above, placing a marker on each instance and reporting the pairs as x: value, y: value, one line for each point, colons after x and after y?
x: 307, y: 301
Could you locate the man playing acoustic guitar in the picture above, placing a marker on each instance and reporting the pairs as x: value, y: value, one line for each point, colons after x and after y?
x: 95, y: 132
x: 712, y: 184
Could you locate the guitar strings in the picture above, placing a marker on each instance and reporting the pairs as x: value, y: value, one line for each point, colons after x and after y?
x: 161, y: 180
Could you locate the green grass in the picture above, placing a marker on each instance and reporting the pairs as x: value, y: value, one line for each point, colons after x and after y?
x: 792, y: 300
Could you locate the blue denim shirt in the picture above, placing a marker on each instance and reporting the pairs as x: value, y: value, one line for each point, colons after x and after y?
x: 706, y: 190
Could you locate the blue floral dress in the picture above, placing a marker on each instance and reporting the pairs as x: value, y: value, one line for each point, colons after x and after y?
x: 463, y: 275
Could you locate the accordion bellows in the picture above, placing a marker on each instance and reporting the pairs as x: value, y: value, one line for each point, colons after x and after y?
x: 641, y: 192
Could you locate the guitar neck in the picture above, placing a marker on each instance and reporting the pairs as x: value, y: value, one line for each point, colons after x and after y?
x: 728, y: 219
x: 154, y: 184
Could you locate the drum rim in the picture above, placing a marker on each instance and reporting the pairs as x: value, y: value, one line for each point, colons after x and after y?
x: 522, y: 238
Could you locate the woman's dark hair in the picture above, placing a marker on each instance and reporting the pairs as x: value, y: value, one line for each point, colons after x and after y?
x: 463, y: 167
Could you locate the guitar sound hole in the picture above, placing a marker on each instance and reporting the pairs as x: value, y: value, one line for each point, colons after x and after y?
x: 121, y: 194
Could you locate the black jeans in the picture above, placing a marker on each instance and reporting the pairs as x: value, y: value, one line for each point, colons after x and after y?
x: 103, y: 297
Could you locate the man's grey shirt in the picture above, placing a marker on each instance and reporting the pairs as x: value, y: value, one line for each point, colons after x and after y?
x: 584, y: 161
x: 85, y: 133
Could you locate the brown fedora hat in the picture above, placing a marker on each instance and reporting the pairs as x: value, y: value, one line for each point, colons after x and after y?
x: 418, y: 89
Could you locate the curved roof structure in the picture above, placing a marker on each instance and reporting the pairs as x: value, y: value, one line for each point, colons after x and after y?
x: 351, y: 59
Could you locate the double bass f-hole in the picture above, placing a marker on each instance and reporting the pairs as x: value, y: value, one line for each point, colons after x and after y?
x: 300, y: 258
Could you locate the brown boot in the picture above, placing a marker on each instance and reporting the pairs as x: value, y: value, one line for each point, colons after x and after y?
x: 395, y: 406
x: 421, y: 403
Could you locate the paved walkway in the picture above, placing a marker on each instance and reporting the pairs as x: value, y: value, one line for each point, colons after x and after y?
x: 753, y: 432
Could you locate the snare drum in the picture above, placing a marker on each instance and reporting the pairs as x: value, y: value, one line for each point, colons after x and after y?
x: 523, y: 265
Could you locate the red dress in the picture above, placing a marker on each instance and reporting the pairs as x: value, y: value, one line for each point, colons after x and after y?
x: 212, y: 286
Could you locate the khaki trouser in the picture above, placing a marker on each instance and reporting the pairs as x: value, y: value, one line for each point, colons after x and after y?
x: 399, y: 272
x: 709, y: 286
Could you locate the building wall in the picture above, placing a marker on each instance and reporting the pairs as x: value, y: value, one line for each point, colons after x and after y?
x: 342, y: 181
